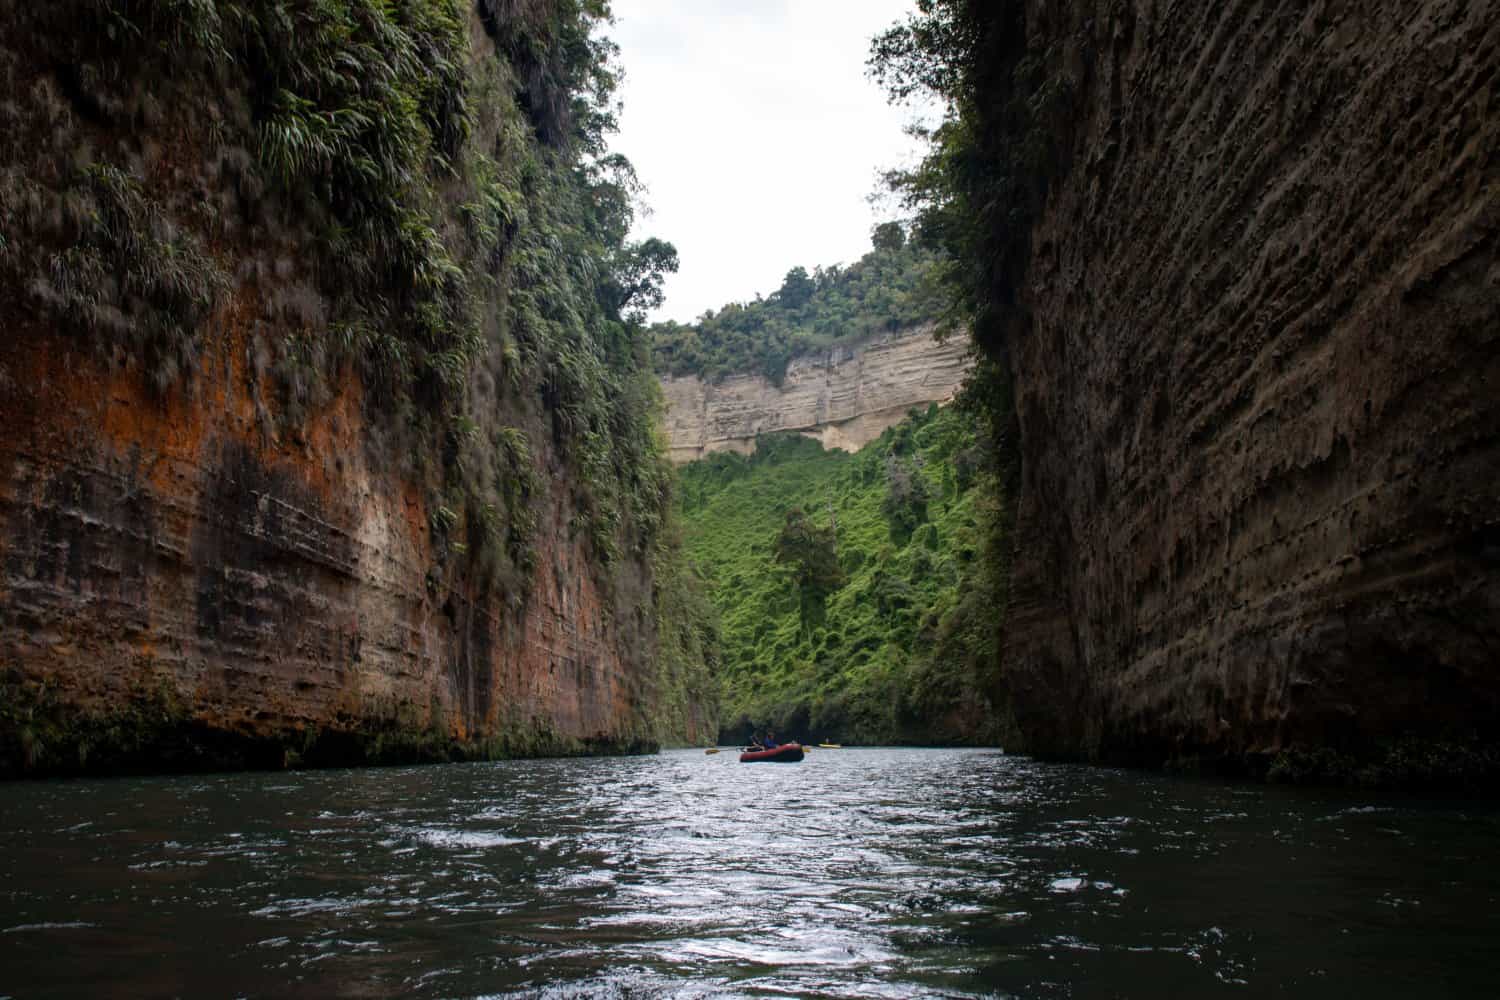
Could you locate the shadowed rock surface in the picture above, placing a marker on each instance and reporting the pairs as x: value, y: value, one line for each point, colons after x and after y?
x: 1259, y: 398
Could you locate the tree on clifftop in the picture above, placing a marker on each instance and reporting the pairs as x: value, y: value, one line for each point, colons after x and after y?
x: 797, y: 288
x: 888, y: 236
x: 640, y: 272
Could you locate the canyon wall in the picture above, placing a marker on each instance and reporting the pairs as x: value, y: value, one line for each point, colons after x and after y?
x: 292, y: 467
x: 844, y: 397
x: 1258, y: 388
x: 269, y: 600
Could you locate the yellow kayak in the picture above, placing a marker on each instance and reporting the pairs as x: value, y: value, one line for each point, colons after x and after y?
x: 831, y: 746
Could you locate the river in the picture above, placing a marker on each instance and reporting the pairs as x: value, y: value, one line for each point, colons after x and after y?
x: 857, y: 873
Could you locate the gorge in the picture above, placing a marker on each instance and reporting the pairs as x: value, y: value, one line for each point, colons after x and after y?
x: 1108, y: 506
x: 331, y: 425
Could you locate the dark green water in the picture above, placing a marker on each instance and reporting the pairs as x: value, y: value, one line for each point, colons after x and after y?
x: 858, y: 873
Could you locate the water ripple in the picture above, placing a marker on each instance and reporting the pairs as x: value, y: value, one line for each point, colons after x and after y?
x: 854, y: 874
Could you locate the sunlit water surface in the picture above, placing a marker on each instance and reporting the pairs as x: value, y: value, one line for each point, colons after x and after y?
x: 857, y: 873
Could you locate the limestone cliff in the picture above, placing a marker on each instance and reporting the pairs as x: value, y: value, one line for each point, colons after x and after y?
x: 1258, y: 388
x: 844, y: 397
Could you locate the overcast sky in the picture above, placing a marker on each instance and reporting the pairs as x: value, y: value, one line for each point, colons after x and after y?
x: 757, y: 134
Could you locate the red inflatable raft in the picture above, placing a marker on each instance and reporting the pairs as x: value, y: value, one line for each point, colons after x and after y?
x: 787, y: 753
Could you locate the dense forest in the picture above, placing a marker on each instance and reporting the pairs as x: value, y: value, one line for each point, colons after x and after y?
x: 856, y: 592
x: 859, y: 594
x: 892, y: 287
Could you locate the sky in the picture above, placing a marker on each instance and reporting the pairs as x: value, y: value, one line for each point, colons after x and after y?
x: 758, y: 136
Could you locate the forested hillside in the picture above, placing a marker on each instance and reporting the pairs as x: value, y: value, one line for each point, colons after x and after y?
x: 856, y: 592
x: 891, y: 287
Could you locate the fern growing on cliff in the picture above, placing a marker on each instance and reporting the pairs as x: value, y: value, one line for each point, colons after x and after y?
x: 129, y: 277
x: 373, y: 130
x: 339, y: 203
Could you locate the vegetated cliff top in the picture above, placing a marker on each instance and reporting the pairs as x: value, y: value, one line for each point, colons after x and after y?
x: 891, y: 287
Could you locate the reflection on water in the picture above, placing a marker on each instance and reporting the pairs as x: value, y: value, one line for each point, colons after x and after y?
x: 858, y: 873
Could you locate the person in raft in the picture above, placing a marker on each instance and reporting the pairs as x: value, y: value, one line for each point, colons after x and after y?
x: 769, y: 743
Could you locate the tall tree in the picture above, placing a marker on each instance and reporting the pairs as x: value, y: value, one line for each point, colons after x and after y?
x: 797, y: 288
x: 888, y: 236
x: 811, y: 556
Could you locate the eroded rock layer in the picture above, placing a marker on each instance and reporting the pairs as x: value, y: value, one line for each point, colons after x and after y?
x: 1260, y: 395
x: 163, y: 556
x: 844, y: 397
x: 303, y: 457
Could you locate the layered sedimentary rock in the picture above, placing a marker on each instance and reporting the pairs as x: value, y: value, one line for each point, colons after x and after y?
x: 224, y: 538
x: 844, y: 397
x: 165, y: 556
x: 1259, y: 392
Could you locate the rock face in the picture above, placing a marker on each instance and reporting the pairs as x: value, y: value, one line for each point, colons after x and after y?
x: 163, y: 553
x: 1259, y: 398
x: 215, y: 549
x: 844, y: 397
